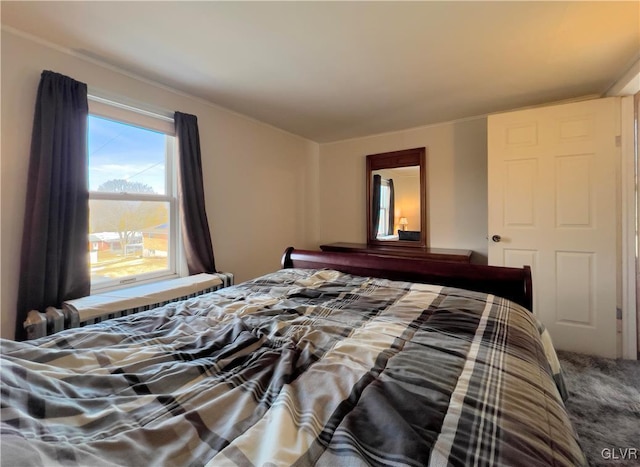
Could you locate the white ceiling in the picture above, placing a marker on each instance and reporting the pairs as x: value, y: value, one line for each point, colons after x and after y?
x: 335, y: 70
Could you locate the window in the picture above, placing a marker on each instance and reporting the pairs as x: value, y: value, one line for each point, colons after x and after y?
x: 385, y: 206
x: 132, y: 197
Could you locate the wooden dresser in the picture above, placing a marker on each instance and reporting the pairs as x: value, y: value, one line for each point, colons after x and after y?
x: 436, y: 254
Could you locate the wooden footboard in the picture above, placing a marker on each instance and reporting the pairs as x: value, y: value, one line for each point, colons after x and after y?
x: 511, y: 283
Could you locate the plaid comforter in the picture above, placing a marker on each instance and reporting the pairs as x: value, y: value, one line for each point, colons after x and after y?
x: 298, y: 367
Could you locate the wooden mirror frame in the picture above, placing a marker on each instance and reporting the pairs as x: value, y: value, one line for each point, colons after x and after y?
x: 392, y: 160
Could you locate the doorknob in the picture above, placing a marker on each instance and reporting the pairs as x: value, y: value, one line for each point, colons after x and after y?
x: 496, y: 238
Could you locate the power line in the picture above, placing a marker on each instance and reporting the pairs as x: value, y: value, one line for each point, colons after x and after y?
x: 143, y: 170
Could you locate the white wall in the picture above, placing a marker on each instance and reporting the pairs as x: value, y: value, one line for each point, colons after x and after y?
x: 456, y: 184
x: 259, y: 181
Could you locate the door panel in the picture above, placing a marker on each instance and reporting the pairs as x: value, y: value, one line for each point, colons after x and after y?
x: 519, y: 197
x: 575, y: 292
x: 574, y: 204
x: 552, y: 178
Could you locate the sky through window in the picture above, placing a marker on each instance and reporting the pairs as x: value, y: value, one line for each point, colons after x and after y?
x: 121, y: 151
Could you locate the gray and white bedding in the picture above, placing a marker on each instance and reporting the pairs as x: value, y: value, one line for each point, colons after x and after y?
x: 298, y: 367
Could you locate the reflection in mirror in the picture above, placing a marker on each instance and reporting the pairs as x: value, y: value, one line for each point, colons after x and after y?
x: 396, y: 192
x: 398, y: 210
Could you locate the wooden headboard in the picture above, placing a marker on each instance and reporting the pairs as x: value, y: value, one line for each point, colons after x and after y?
x: 511, y: 283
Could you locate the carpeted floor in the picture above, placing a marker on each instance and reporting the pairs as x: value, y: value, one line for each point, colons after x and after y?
x: 604, y: 406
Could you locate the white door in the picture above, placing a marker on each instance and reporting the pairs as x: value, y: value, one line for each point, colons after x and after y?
x: 553, y: 176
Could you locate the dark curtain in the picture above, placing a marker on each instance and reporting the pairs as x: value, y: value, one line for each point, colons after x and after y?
x: 54, y: 262
x: 392, y: 203
x: 375, y: 205
x: 193, y: 217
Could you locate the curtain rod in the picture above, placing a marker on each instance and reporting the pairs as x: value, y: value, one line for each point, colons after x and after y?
x: 120, y: 105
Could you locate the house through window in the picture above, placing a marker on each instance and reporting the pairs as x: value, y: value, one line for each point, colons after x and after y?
x: 132, y: 197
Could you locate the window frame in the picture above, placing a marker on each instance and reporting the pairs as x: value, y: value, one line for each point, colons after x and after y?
x: 147, y: 120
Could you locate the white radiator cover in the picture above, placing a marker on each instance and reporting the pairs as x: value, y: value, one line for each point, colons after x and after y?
x: 139, y: 296
x: 98, y: 307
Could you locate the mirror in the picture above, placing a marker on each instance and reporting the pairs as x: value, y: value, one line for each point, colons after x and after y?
x: 396, y: 198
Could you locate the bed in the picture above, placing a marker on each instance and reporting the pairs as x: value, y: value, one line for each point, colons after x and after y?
x: 336, y: 359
